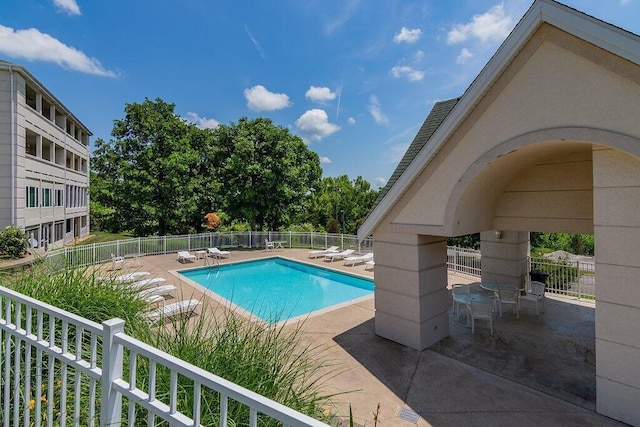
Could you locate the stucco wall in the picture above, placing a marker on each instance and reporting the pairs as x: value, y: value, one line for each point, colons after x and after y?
x: 617, y: 233
x: 554, y: 88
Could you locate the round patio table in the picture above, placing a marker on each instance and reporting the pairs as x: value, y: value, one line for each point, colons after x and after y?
x: 496, y: 287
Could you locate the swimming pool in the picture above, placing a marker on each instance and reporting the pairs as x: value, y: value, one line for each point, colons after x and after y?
x: 277, y: 289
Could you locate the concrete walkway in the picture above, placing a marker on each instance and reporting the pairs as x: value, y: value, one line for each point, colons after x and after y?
x: 465, y: 380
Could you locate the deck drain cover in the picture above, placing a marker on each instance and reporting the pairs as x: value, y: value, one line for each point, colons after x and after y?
x: 409, y: 414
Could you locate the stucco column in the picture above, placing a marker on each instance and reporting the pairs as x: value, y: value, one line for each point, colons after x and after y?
x: 504, y: 256
x: 411, y: 298
x: 616, y: 201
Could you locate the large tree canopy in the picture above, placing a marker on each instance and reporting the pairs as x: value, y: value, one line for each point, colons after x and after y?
x: 266, y: 171
x: 150, y: 174
x: 161, y: 174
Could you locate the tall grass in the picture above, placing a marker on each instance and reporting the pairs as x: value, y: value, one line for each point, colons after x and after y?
x: 271, y: 360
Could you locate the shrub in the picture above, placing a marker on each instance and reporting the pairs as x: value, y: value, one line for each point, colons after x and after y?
x: 13, y: 242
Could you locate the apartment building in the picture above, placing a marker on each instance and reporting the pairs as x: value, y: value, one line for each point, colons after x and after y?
x: 44, y: 161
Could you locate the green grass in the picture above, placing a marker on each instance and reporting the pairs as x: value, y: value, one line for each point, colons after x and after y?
x: 103, y: 236
x: 273, y: 361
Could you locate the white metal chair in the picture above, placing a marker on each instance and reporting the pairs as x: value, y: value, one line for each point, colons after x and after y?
x: 535, y: 294
x: 116, y: 262
x: 511, y: 297
x: 481, y: 311
x: 457, y: 290
x: 269, y: 245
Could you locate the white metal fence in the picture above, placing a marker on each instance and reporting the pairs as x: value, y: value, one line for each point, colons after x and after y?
x: 85, y: 255
x: 59, y: 369
x: 564, y: 277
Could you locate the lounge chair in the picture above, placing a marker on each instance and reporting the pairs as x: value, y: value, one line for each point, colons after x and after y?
x: 368, y: 264
x: 353, y: 260
x: 217, y: 253
x: 147, y: 283
x: 161, y: 291
x: 322, y: 252
x: 338, y: 255
x: 184, y: 256
x: 180, y: 308
x: 125, y: 278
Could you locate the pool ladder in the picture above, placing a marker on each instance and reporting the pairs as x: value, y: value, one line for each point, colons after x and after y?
x: 208, y: 261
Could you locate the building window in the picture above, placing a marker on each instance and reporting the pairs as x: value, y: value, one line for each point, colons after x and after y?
x: 59, y: 201
x: 32, y: 197
x: 58, y: 231
x: 46, y: 197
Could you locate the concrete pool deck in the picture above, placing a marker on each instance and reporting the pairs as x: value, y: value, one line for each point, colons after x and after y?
x: 533, y: 371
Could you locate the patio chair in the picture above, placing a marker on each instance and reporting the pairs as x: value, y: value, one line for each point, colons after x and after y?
x: 180, y: 308
x: 117, y: 262
x: 535, y: 295
x: 457, y: 290
x: 338, y: 255
x: 511, y: 297
x: 322, y: 252
x: 269, y: 246
x: 184, y: 256
x: 353, y: 260
x: 480, y: 311
x: 217, y: 253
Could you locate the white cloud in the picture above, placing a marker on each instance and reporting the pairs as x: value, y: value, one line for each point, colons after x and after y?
x: 315, y: 122
x: 491, y: 26
x: 325, y: 160
x: 408, y: 36
x: 419, y: 55
x: 376, y: 111
x: 408, y: 72
x: 465, y: 54
x: 320, y: 94
x: 202, y: 122
x: 68, y: 6
x: 33, y: 45
x: 260, y: 99
x: 351, y: 121
x: 380, y: 181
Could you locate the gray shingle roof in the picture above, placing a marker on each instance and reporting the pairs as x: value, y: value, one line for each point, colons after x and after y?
x: 438, y: 113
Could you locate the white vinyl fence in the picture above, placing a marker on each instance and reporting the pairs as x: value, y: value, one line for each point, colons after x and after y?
x: 59, y: 369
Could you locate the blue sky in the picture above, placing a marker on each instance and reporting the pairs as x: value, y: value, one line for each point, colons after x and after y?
x: 354, y: 78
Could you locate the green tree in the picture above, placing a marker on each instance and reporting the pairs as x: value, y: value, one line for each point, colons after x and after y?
x: 340, y: 204
x: 151, y: 173
x: 267, y: 172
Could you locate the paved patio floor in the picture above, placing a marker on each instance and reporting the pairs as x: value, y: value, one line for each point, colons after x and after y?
x: 533, y: 371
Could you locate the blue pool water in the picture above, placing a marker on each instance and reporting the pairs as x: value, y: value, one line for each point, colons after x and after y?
x: 276, y: 289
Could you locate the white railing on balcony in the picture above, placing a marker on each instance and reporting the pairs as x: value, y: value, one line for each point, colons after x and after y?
x: 59, y: 369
